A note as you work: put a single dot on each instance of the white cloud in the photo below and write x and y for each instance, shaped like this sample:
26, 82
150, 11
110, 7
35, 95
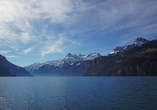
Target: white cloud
58, 44
26, 51
33, 22
53, 46
55, 10
113, 16
17, 18
11, 56
4, 51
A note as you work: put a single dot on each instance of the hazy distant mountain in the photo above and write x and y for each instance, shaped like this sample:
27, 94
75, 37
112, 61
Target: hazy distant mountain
63, 67
140, 60
138, 42
36, 66
13, 69
77, 68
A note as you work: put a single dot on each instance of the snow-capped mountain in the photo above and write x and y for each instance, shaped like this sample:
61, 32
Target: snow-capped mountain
79, 57
138, 42
58, 67
71, 58
38, 65
91, 56
53, 62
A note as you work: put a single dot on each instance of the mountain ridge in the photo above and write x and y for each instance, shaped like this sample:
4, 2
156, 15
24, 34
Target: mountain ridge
138, 42
137, 61
70, 57
70, 62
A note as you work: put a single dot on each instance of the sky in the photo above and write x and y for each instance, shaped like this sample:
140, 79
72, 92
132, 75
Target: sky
33, 31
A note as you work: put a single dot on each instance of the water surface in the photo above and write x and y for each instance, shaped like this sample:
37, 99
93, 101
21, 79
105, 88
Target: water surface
78, 93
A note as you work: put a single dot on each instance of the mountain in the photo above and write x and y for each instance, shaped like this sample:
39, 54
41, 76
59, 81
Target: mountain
137, 61
4, 71
77, 68
38, 65
71, 58
63, 67
138, 42
13, 69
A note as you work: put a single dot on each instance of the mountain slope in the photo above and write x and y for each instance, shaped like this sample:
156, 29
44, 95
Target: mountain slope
45, 70
4, 71
77, 68
13, 69
38, 65
143, 63
137, 61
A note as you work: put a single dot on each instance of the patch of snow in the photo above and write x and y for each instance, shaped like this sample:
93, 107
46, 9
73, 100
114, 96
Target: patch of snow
137, 42
78, 64
72, 64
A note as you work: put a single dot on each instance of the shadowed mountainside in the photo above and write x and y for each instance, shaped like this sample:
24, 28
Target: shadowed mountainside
13, 69
4, 71
138, 61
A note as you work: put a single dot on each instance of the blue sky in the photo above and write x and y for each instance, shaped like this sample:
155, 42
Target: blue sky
41, 30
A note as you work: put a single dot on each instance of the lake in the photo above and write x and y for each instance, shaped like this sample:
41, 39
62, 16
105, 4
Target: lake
78, 93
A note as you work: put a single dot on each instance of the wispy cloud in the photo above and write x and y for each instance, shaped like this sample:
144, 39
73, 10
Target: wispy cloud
4, 51
113, 16
11, 56
27, 23
54, 46
26, 51
17, 19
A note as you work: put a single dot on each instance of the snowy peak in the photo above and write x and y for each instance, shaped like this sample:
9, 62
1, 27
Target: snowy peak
71, 58
138, 42
79, 57
91, 56
53, 62
68, 60
37, 65
118, 49
32, 66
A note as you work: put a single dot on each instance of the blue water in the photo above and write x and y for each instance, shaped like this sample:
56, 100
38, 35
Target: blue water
78, 93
